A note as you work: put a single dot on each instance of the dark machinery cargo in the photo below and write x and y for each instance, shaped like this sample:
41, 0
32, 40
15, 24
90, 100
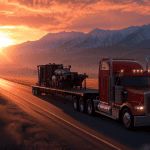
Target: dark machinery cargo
56, 75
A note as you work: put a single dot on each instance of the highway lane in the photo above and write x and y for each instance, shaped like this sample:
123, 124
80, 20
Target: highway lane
90, 132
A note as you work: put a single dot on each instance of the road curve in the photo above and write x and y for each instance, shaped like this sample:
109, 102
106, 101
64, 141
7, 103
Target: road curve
89, 132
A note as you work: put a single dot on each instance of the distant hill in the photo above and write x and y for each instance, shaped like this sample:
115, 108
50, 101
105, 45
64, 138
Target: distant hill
130, 30
138, 38
74, 40
82, 51
144, 44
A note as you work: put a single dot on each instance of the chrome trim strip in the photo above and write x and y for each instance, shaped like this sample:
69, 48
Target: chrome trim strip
104, 102
118, 105
106, 114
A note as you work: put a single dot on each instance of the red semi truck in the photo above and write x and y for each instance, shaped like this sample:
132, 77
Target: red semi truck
124, 90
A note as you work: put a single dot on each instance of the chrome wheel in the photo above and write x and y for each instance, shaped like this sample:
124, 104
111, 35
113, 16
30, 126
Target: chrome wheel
90, 107
75, 103
127, 118
82, 105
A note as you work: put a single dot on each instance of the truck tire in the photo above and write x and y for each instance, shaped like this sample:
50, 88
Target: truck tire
127, 119
90, 107
33, 91
75, 103
37, 92
82, 105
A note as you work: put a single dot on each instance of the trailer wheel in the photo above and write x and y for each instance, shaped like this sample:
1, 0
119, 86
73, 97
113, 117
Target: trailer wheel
75, 103
33, 91
82, 105
127, 119
90, 107
36, 91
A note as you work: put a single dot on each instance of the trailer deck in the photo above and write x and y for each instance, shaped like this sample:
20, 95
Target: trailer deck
77, 91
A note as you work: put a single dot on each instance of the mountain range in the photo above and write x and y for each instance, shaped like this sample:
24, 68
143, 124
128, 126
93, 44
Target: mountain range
81, 50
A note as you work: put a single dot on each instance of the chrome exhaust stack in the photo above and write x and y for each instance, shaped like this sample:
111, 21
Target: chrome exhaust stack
147, 63
111, 81
111, 65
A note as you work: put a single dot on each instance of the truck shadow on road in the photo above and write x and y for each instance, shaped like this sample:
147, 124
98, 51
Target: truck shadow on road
102, 124
58, 101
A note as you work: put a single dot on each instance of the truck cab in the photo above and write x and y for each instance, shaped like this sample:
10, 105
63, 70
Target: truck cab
113, 74
124, 91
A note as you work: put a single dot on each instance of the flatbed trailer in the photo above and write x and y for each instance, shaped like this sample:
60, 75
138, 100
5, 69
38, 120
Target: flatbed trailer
76, 93
123, 94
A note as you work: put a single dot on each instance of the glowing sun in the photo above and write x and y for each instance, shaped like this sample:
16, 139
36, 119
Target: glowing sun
5, 42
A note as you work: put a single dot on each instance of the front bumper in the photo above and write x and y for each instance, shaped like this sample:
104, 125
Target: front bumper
141, 121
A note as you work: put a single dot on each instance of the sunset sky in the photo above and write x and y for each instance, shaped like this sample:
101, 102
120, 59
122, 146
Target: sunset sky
23, 20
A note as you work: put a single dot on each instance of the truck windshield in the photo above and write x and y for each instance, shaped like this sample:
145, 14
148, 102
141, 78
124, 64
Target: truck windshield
136, 81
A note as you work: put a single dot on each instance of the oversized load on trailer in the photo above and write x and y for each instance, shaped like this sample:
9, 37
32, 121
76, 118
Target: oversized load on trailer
124, 89
56, 75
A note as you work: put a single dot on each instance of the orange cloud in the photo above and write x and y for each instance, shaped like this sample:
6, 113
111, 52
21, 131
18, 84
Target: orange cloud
66, 11
80, 15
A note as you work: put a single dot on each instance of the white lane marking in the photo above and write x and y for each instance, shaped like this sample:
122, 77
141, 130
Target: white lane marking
70, 123
80, 128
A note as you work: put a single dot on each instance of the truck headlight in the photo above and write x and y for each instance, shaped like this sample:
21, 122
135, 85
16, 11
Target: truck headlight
139, 107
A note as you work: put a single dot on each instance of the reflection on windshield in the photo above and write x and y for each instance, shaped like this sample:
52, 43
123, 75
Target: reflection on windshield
136, 81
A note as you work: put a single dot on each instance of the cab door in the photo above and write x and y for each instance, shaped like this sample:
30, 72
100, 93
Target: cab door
103, 85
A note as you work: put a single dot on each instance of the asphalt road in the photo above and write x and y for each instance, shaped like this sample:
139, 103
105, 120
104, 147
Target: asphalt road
74, 128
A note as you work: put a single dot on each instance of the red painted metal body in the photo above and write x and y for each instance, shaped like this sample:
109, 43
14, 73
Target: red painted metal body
135, 94
122, 83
